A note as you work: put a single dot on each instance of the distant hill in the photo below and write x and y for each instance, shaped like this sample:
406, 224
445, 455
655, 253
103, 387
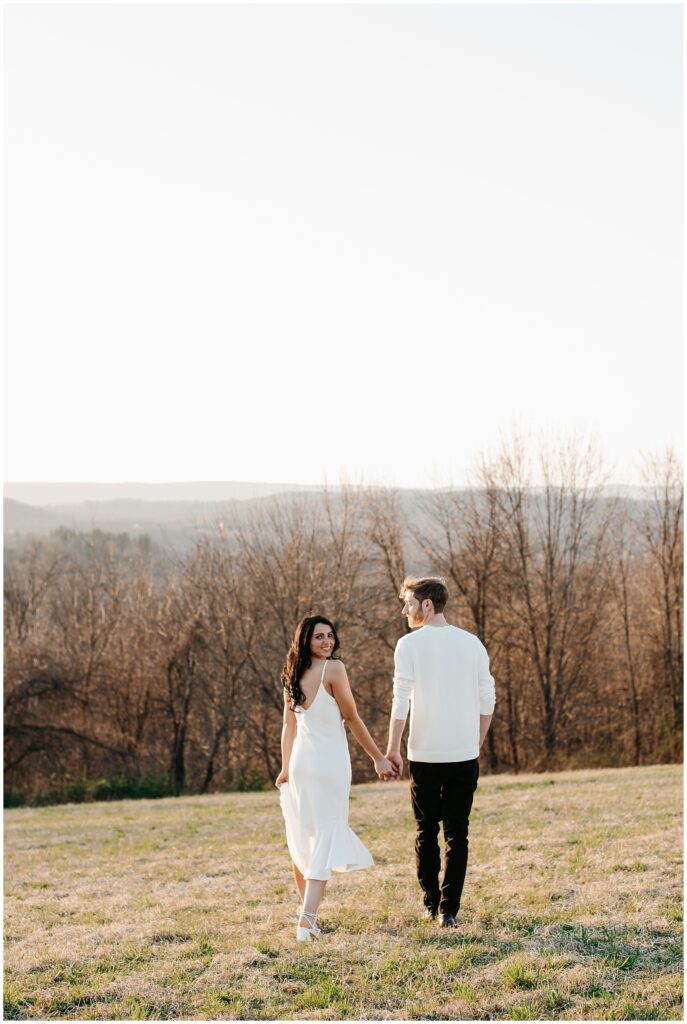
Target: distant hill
70, 494
49, 494
20, 518
176, 523
172, 525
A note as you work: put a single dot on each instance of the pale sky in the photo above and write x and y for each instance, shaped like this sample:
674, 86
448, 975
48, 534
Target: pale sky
296, 242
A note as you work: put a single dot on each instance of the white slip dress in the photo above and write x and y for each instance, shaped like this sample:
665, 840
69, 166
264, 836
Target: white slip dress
314, 801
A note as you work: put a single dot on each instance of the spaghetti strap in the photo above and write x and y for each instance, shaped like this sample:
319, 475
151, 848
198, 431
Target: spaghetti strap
317, 691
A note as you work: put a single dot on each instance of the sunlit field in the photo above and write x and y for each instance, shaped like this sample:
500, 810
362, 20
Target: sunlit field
185, 908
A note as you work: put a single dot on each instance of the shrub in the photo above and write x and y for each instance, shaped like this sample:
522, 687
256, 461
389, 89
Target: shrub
147, 787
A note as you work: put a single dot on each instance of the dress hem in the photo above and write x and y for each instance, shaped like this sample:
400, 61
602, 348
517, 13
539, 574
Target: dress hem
335, 843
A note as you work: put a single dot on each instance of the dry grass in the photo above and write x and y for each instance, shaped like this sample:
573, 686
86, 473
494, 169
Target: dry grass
184, 908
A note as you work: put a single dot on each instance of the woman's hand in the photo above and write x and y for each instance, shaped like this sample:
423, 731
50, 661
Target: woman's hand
385, 769
282, 777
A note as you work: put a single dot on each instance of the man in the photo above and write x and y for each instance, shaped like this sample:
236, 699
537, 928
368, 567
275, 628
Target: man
443, 673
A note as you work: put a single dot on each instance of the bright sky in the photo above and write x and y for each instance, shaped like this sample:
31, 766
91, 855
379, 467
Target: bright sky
284, 243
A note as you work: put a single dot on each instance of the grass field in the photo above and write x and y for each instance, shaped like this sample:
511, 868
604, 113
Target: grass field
185, 908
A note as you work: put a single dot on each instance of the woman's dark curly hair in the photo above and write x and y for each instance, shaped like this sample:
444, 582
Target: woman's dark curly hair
299, 657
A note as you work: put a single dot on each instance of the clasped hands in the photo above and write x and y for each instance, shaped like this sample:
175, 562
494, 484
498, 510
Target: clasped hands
389, 767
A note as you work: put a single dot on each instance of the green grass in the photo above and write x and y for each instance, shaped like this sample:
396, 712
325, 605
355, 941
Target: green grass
183, 907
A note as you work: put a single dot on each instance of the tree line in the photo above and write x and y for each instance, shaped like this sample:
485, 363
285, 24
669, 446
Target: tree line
128, 670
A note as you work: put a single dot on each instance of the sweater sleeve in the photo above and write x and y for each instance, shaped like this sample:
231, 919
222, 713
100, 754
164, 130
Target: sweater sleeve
403, 681
487, 690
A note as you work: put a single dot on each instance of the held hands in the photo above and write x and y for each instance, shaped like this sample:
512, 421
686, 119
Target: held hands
387, 769
397, 762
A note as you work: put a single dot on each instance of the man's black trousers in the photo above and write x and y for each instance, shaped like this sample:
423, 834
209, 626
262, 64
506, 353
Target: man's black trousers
442, 792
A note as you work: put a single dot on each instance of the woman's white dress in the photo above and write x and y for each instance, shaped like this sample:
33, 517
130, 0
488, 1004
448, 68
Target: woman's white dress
314, 801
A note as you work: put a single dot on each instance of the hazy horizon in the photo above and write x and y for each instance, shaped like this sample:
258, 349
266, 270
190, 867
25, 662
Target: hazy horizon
52, 494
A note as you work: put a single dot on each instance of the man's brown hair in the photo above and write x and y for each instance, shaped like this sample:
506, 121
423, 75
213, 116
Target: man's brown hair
424, 587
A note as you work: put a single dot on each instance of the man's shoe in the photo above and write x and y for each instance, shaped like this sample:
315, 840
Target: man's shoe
449, 921
430, 914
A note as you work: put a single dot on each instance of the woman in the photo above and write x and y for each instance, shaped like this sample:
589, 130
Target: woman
315, 779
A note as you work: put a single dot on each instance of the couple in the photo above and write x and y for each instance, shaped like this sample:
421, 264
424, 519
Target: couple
442, 673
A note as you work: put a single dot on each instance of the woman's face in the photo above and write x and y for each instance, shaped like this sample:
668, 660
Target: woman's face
322, 640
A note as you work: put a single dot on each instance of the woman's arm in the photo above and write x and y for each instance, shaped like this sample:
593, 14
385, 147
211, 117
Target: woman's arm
341, 689
288, 735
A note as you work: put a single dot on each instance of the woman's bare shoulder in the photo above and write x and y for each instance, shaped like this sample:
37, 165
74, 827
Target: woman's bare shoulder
336, 669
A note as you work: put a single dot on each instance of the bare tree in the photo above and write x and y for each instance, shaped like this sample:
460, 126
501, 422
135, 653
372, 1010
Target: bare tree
556, 535
231, 631
622, 581
662, 526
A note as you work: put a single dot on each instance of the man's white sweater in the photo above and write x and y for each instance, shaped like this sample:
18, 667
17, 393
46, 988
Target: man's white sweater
442, 672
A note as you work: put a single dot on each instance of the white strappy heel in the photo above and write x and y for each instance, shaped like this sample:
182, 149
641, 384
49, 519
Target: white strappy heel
312, 931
